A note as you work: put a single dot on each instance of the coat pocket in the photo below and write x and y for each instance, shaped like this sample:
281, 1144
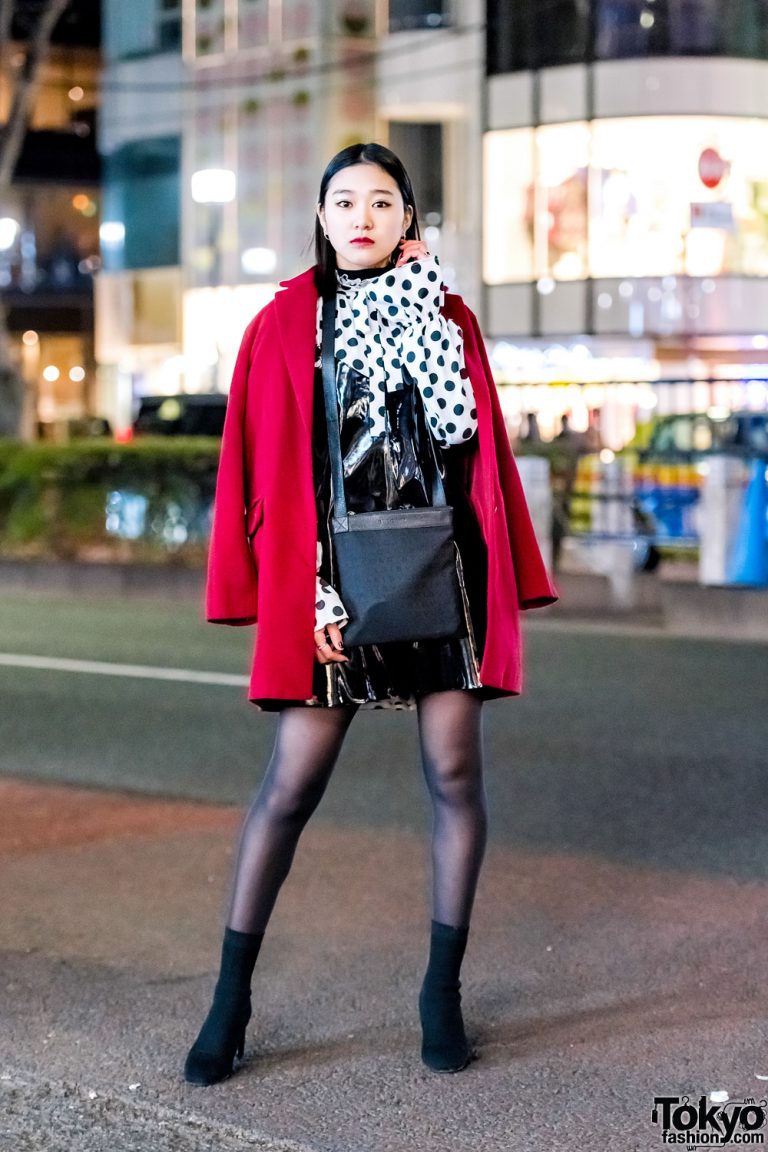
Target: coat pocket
254, 517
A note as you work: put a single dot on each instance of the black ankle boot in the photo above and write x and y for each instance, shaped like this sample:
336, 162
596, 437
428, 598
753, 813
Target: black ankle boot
222, 1036
444, 1046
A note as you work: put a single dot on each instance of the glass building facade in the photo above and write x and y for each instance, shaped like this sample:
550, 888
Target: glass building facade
627, 197
530, 34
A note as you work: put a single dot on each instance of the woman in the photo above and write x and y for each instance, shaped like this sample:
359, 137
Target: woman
414, 387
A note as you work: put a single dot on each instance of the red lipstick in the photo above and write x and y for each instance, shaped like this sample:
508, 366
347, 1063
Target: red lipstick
362, 240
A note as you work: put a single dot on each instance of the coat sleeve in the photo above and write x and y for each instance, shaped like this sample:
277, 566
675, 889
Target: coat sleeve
232, 584
535, 589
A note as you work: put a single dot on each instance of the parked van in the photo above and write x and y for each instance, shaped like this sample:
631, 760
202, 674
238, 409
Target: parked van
186, 414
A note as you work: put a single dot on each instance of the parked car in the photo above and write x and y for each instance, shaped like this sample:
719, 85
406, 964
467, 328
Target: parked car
691, 436
186, 414
669, 470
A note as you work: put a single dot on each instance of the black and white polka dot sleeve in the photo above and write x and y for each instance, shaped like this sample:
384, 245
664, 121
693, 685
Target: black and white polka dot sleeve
328, 606
449, 403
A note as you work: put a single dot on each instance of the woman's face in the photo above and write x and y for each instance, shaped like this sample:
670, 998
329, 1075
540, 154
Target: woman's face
363, 216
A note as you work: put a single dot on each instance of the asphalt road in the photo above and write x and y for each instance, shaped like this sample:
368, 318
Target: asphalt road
631, 746
618, 949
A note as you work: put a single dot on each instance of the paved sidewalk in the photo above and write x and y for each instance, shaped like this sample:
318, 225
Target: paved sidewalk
670, 599
590, 986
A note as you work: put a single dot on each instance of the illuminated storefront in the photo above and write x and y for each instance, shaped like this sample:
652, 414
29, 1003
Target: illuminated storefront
627, 198
625, 209
650, 235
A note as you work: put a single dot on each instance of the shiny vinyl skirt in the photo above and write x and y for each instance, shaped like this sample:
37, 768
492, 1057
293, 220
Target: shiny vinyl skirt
396, 675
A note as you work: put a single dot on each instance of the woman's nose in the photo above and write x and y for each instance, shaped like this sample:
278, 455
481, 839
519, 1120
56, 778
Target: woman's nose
363, 217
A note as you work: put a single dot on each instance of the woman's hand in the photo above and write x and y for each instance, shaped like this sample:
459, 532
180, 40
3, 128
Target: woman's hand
329, 646
411, 250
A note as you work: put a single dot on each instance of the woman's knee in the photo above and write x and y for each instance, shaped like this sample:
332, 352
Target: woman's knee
289, 797
288, 801
307, 746
454, 777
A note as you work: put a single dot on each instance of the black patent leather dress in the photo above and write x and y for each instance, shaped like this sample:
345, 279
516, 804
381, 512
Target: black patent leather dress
391, 472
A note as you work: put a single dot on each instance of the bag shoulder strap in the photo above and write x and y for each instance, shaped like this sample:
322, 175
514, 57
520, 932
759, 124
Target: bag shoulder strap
327, 360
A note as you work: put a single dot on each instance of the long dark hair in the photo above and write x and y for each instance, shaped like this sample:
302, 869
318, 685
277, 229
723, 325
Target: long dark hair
325, 256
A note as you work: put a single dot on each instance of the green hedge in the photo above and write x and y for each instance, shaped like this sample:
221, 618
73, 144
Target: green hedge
149, 500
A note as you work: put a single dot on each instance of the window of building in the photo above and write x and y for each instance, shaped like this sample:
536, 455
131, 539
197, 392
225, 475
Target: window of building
210, 27
508, 195
169, 25
225, 27
51, 234
142, 173
536, 34
253, 23
141, 28
639, 197
405, 15
625, 28
420, 147
539, 33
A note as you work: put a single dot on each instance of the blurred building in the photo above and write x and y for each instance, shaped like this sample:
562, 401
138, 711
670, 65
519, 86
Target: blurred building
49, 231
591, 172
626, 206
138, 292
218, 118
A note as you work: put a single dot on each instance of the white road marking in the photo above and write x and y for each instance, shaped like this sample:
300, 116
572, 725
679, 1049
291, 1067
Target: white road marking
135, 671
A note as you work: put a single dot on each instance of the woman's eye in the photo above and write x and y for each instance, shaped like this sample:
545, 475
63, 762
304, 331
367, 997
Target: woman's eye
382, 204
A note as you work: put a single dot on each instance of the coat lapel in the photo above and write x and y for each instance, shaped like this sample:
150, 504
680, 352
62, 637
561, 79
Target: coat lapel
296, 310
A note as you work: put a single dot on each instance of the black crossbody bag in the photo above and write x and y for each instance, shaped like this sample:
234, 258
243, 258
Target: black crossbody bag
396, 571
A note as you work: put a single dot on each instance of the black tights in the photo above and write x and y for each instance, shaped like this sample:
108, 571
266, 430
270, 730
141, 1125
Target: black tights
306, 749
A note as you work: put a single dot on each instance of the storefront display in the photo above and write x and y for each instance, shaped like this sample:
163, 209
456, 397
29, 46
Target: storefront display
624, 198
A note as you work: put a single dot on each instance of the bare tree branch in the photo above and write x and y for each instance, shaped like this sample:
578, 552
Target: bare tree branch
6, 19
26, 86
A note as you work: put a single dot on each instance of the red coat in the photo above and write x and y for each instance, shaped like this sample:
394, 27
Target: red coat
262, 556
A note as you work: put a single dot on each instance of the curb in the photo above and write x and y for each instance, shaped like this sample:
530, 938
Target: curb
679, 607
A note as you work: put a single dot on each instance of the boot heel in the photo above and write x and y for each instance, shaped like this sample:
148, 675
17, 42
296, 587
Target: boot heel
222, 1040
444, 1044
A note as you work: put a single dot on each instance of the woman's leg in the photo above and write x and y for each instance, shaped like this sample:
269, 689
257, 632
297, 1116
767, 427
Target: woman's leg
451, 748
452, 759
306, 748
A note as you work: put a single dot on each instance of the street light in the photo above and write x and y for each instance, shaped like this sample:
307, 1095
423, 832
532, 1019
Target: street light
112, 233
9, 230
214, 187
258, 261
